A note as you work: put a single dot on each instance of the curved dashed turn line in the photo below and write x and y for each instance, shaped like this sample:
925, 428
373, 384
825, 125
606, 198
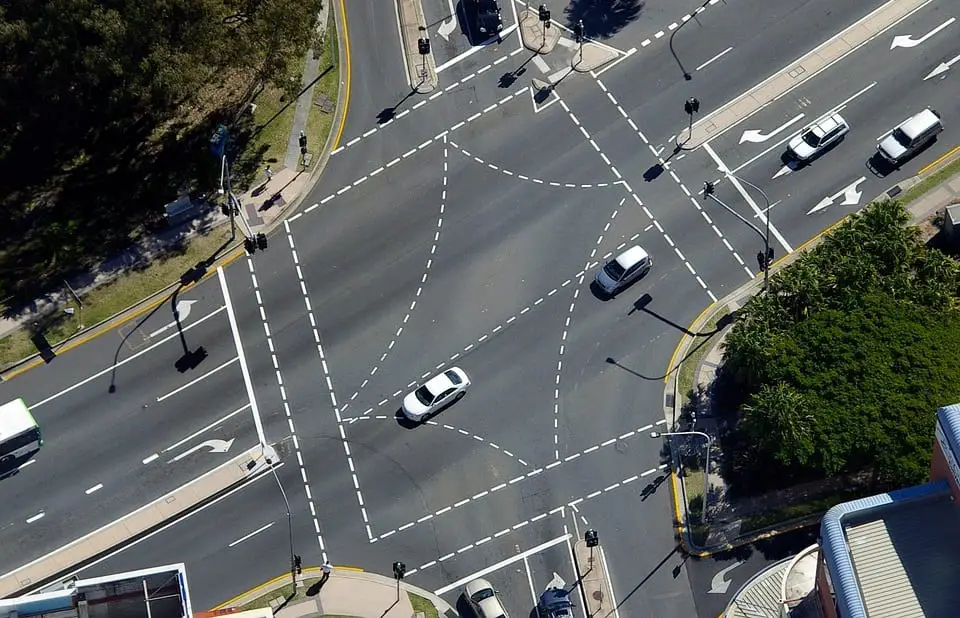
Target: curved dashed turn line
380, 417
513, 174
530, 474
423, 278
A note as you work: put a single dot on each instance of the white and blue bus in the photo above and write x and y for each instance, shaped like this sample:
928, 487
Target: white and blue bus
19, 432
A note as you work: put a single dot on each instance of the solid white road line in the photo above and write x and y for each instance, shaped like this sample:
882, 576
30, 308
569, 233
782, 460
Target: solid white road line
501, 564
739, 187
573, 566
194, 381
475, 49
533, 590
252, 534
243, 360
606, 571
36, 517
197, 433
717, 57
124, 361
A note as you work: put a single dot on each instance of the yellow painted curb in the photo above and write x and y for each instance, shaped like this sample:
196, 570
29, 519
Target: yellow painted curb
346, 96
940, 160
683, 340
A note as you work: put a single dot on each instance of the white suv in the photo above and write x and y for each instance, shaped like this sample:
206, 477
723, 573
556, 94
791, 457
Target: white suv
819, 136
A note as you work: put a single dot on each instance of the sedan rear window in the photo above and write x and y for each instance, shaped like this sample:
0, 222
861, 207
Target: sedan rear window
453, 376
614, 270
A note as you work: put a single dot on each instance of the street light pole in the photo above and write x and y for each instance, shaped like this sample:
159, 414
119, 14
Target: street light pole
766, 259
293, 559
706, 467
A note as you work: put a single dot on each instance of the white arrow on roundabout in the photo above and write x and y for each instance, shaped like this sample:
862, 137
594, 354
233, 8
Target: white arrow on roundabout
719, 584
756, 136
850, 195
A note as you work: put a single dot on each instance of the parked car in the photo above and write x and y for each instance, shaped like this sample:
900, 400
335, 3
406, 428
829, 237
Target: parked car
488, 19
484, 599
555, 603
910, 136
624, 269
819, 136
436, 394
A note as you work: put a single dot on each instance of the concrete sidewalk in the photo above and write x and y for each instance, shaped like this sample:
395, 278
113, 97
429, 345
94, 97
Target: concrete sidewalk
725, 517
348, 592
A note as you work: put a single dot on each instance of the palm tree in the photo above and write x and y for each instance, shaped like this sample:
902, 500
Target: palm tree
778, 421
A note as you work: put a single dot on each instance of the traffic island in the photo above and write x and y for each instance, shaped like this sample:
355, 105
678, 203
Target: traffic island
593, 577
591, 56
538, 35
418, 56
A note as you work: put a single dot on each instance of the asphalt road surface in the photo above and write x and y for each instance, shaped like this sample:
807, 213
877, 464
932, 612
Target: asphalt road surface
464, 228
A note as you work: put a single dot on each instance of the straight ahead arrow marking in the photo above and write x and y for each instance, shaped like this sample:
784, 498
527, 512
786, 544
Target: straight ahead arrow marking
943, 67
850, 196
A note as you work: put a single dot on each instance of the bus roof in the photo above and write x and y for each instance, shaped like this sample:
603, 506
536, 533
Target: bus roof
15, 418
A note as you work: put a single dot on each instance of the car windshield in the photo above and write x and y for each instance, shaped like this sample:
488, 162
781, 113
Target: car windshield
453, 376
614, 270
811, 138
424, 395
901, 137
482, 595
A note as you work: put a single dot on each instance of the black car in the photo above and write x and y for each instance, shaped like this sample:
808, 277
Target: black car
488, 17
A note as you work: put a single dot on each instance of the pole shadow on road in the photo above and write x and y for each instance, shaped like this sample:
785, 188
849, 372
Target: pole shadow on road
389, 113
676, 573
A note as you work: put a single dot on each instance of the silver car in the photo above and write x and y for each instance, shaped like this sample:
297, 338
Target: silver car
624, 269
819, 136
484, 599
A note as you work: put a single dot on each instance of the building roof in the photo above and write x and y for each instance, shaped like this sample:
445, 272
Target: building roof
897, 554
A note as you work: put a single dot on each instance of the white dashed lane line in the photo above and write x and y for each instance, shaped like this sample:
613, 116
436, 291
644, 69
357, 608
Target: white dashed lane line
673, 26
423, 278
536, 518
500, 328
690, 195
418, 105
333, 397
514, 174
439, 136
286, 403
637, 199
519, 478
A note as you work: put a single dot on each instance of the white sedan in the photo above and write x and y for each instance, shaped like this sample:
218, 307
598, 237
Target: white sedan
484, 599
437, 393
819, 136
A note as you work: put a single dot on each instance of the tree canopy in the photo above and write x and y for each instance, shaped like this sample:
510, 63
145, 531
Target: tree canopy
107, 107
843, 363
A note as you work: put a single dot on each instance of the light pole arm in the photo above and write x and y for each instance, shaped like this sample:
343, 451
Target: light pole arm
737, 215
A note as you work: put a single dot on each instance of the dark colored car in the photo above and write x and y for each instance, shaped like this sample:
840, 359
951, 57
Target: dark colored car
555, 603
488, 17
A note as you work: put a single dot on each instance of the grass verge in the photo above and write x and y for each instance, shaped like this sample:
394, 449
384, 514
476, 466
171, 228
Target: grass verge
930, 182
421, 604
701, 345
113, 297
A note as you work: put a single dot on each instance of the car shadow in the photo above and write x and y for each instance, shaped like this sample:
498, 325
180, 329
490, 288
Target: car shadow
599, 293
405, 422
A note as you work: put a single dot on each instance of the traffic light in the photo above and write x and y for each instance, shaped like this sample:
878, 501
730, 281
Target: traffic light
423, 46
591, 537
769, 256
399, 570
261, 241
544, 14
578, 31
250, 246
691, 106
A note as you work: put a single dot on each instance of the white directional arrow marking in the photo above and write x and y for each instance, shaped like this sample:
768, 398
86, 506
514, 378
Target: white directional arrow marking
447, 27
850, 195
905, 40
756, 136
182, 311
556, 582
719, 585
943, 67
215, 446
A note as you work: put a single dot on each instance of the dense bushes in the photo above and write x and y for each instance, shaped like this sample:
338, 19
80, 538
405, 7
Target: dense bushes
841, 366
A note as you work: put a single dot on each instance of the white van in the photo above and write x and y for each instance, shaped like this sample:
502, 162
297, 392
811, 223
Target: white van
910, 136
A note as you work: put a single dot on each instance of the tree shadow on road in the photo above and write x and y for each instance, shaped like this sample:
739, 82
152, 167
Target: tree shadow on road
603, 18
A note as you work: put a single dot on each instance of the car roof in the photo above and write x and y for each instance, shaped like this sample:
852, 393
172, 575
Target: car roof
917, 124
631, 256
438, 383
827, 124
477, 585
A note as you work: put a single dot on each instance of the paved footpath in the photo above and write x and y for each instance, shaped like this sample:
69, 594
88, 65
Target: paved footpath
725, 518
348, 592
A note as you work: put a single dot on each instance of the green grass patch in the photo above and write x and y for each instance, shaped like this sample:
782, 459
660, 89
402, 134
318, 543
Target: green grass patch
421, 604
320, 123
929, 183
107, 300
784, 514
696, 352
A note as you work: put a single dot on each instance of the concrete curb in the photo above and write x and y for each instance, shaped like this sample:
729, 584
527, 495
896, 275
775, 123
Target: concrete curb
421, 70
356, 573
166, 508
534, 36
